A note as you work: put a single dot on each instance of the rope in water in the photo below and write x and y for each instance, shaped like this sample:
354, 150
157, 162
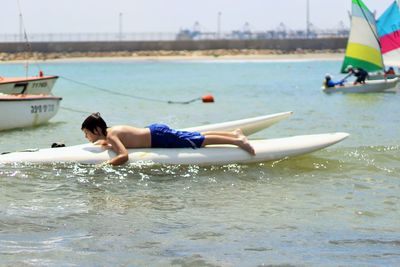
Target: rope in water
130, 95
205, 99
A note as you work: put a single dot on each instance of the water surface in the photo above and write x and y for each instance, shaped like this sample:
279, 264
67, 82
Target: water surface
337, 206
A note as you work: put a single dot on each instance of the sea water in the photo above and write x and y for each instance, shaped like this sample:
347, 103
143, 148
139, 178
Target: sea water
336, 207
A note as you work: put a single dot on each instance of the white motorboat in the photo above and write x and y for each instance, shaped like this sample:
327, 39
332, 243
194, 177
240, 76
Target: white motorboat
22, 110
32, 85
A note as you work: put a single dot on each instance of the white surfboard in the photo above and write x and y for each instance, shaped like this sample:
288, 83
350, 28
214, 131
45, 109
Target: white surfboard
248, 126
268, 149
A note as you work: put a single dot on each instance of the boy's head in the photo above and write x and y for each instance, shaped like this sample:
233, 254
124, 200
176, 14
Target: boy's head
328, 77
94, 126
349, 68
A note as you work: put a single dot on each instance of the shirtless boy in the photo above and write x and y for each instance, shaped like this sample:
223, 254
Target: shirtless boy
121, 137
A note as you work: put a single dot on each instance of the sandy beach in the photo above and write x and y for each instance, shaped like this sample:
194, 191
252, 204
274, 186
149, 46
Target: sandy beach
221, 54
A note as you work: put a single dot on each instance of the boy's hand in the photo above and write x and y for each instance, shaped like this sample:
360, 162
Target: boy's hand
103, 144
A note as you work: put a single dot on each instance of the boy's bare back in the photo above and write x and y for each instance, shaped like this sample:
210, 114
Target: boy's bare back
130, 137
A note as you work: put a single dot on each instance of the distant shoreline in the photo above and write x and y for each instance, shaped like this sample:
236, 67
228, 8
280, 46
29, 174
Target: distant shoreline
222, 54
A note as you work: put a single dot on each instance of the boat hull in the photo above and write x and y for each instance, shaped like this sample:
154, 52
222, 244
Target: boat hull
266, 150
20, 111
382, 76
370, 86
27, 85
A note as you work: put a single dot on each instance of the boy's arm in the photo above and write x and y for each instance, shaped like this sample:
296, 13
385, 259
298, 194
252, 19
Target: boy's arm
119, 148
339, 82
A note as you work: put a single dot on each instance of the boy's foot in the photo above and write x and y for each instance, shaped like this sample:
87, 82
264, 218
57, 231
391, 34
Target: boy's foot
238, 133
244, 144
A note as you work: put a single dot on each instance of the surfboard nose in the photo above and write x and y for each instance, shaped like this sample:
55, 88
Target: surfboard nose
341, 135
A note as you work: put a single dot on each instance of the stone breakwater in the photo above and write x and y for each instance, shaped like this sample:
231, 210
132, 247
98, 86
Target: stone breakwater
164, 54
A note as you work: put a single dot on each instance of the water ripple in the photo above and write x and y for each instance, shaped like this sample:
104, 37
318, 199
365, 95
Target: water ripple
395, 243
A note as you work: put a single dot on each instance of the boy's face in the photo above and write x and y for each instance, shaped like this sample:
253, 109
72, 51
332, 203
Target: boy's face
92, 137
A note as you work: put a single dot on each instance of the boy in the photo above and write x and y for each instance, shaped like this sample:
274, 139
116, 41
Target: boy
329, 83
360, 73
121, 137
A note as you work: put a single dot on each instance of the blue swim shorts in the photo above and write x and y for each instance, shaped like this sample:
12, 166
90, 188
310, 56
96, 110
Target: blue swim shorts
164, 137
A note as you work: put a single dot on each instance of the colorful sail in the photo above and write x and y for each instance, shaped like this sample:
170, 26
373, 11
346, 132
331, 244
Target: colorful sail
363, 49
388, 26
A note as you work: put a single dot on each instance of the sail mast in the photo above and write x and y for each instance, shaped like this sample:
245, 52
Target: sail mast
308, 19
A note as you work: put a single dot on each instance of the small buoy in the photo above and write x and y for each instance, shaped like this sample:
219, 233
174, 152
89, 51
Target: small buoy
40, 73
207, 99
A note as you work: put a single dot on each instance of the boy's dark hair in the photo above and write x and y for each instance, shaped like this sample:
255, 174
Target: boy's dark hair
94, 121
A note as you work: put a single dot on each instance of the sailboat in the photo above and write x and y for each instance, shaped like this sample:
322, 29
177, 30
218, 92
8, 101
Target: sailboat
388, 26
363, 51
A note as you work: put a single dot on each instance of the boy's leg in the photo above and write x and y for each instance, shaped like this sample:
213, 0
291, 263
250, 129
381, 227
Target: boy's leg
241, 142
234, 134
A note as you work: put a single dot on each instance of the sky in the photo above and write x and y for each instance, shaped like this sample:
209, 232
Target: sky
104, 16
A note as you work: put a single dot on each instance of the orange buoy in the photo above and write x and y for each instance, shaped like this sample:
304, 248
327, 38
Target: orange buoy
207, 99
